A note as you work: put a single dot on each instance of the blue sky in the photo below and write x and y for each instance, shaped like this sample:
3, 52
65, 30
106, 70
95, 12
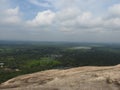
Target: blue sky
29, 9
60, 20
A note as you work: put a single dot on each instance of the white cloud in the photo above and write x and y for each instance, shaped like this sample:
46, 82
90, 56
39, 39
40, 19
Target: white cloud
77, 17
67, 13
42, 19
12, 11
72, 20
11, 15
112, 23
38, 3
115, 9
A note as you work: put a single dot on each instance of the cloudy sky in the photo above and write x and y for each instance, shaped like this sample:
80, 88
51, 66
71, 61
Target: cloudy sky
60, 20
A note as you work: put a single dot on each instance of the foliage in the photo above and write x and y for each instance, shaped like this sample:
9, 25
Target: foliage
42, 64
29, 58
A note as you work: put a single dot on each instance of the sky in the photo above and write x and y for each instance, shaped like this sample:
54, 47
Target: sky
60, 20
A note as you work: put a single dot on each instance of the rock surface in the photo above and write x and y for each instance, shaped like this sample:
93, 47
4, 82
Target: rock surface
81, 78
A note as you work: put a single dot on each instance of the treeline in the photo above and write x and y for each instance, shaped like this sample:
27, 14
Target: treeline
92, 57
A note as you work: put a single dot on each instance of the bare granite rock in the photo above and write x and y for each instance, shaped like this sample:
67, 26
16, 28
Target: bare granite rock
81, 78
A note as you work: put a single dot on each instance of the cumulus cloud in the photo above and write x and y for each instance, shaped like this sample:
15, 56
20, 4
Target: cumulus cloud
42, 19
11, 16
39, 3
70, 20
68, 13
115, 9
14, 11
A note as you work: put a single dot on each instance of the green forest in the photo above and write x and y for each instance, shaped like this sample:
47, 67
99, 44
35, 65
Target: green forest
23, 58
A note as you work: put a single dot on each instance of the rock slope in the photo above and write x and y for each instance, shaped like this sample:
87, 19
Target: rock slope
81, 78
